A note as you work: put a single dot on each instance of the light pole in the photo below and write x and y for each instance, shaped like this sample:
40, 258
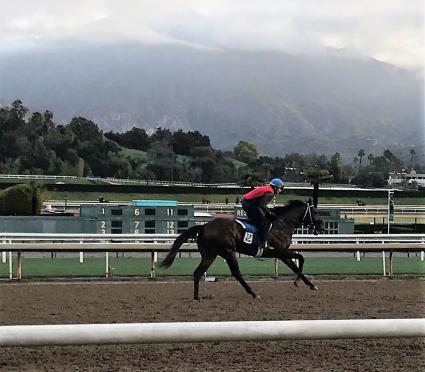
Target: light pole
390, 209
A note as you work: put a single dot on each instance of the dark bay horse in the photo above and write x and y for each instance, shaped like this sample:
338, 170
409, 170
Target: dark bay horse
224, 237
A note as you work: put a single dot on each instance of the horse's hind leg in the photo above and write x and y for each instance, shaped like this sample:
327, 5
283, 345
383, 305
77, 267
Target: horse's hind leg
203, 266
232, 262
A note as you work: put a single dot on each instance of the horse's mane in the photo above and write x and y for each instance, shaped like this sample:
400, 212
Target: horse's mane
292, 204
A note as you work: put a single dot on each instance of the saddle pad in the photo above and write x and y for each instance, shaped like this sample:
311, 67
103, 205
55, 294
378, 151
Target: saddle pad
249, 245
247, 225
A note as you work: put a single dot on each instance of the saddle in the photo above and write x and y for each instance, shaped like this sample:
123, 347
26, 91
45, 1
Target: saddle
249, 244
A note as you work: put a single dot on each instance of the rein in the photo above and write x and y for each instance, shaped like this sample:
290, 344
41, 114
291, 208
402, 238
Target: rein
308, 212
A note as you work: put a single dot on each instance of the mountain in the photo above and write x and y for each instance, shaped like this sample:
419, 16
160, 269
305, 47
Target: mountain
282, 103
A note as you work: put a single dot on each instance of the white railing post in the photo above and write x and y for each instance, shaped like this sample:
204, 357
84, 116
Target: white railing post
383, 263
357, 252
107, 273
3, 253
10, 266
81, 253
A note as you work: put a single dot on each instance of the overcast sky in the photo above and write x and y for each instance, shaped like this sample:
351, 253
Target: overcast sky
388, 30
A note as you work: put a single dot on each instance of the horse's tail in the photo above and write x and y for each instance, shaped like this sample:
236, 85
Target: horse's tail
190, 233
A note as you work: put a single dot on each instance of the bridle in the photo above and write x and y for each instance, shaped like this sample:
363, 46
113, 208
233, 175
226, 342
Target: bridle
311, 224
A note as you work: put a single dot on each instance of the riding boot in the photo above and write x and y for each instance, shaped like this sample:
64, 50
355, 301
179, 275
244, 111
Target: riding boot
262, 236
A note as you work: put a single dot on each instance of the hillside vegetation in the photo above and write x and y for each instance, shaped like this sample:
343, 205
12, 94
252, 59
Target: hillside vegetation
32, 143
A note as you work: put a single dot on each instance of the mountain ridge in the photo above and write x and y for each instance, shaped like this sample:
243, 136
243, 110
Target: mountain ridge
282, 103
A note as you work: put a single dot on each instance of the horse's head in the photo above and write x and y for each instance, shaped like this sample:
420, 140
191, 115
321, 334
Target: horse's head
300, 213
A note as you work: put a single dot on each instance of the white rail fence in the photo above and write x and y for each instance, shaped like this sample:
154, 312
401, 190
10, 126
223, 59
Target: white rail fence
154, 243
154, 333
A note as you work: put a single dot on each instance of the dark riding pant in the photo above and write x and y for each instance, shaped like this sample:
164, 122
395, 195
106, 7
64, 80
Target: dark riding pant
258, 217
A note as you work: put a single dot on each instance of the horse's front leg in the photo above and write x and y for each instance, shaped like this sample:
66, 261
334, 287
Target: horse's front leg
286, 256
300, 264
288, 261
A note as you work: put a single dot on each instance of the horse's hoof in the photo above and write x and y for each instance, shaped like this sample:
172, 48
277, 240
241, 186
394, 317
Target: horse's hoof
256, 297
296, 283
314, 288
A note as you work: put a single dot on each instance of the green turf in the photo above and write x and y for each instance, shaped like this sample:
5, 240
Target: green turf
215, 198
123, 267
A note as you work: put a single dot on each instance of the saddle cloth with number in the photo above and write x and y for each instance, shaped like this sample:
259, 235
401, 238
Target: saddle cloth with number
249, 244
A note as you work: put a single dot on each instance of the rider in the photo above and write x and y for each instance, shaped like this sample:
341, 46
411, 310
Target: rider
254, 203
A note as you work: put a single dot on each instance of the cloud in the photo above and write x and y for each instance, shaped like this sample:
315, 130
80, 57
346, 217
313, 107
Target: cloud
389, 30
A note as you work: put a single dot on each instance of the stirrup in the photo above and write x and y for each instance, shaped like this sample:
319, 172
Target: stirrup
260, 251
262, 245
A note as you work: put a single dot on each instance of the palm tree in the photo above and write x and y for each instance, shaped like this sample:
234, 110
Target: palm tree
360, 154
316, 176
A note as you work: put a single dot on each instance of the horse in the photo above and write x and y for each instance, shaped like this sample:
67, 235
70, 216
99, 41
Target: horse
225, 236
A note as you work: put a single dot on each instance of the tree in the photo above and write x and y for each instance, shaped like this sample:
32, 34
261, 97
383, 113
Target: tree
204, 158
18, 110
136, 138
381, 164
360, 154
265, 166
295, 160
334, 167
412, 155
184, 142
368, 177
160, 159
394, 162
370, 158
162, 134
245, 151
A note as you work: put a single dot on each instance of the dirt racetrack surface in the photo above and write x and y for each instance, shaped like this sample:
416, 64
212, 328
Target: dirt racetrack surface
147, 301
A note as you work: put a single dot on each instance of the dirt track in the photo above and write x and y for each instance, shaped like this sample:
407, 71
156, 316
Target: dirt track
107, 302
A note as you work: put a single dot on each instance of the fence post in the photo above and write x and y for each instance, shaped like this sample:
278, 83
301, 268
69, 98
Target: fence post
107, 264
10, 266
383, 263
358, 255
19, 266
3, 253
81, 254
154, 258
276, 268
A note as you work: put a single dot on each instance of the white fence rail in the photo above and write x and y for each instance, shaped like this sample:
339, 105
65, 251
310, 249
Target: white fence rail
154, 333
229, 207
166, 238
154, 243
